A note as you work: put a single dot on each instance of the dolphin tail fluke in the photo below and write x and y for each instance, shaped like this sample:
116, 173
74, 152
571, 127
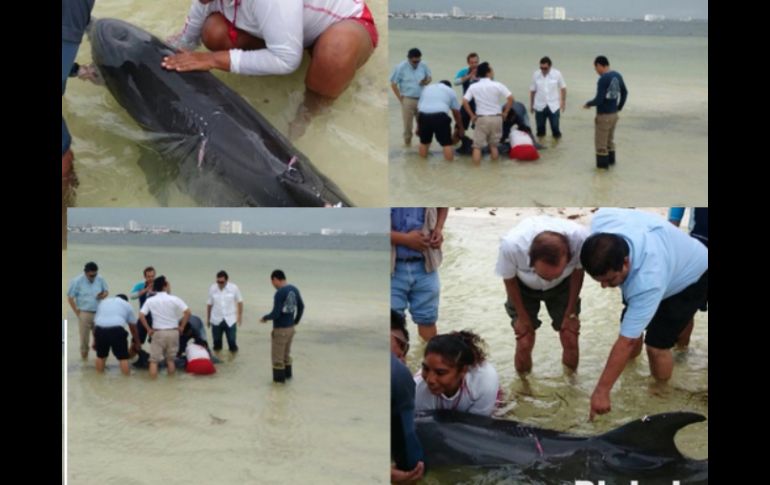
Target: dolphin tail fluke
652, 434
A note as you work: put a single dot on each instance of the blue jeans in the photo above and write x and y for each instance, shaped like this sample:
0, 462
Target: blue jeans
218, 329
412, 287
553, 118
68, 52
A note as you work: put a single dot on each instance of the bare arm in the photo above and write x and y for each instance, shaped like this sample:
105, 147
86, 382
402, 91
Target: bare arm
412, 239
240, 312
208, 315
394, 87
508, 104
184, 320
467, 107
532, 101
144, 323
619, 355
73, 305
563, 99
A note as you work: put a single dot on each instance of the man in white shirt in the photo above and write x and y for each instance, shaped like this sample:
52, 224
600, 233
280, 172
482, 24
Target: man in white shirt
547, 97
169, 317
225, 307
488, 117
539, 260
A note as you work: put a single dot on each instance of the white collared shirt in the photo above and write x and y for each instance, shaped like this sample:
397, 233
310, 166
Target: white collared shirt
489, 96
513, 258
166, 310
224, 303
547, 89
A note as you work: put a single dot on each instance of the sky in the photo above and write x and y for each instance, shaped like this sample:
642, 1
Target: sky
207, 219
575, 8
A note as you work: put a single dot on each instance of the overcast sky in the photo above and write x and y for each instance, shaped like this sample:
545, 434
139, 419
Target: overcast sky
207, 219
575, 8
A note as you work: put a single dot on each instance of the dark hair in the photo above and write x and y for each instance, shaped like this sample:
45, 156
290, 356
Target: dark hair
398, 322
446, 83
200, 342
158, 283
546, 60
278, 275
472, 54
602, 61
90, 266
223, 274
414, 52
462, 349
549, 247
603, 252
483, 69
147, 270
122, 296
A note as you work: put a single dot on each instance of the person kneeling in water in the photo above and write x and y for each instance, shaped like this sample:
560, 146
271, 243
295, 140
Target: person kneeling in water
456, 375
199, 357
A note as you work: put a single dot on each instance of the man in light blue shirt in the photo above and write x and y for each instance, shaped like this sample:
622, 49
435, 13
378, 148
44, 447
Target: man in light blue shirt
83, 295
436, 100
407, 80
663, 274
113, 317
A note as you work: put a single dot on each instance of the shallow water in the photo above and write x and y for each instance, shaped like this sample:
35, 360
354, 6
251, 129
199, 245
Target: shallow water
236, 426
347, 143
661, 137
472, 297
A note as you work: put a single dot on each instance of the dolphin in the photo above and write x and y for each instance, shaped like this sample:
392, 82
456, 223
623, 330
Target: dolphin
225, 152
642, 449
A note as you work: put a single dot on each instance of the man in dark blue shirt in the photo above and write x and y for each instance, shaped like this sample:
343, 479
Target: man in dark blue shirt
610, 97
287, 311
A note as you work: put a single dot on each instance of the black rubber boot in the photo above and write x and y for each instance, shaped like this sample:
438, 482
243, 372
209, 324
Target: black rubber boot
288, 371
279, 375
612, 158
602, 161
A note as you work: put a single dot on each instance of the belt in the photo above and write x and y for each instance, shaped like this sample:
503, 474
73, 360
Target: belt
482, 116
410, 260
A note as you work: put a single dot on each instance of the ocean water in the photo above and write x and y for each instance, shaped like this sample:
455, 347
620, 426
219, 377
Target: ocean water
237, 426
472, 297
661, 137
347, 143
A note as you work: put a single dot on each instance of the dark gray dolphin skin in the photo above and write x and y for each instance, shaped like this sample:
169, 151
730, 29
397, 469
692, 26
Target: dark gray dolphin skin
227, 153
642, 450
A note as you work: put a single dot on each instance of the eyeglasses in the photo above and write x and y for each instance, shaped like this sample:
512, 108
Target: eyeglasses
404, 344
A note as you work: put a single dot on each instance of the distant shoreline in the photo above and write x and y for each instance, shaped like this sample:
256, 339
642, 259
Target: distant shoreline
674, 28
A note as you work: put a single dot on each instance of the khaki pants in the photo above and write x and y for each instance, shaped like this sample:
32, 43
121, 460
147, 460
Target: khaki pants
605, 133
165, 345
488, 131
408, 113
86, 320
281, 347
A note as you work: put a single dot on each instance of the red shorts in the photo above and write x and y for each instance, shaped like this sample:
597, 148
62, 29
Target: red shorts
367, 21
526, 153
200, 366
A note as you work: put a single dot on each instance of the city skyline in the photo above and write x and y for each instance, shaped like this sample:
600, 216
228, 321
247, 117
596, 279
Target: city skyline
574, 8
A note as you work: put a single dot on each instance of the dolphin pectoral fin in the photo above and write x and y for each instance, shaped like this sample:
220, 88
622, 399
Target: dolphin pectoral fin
158, 172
